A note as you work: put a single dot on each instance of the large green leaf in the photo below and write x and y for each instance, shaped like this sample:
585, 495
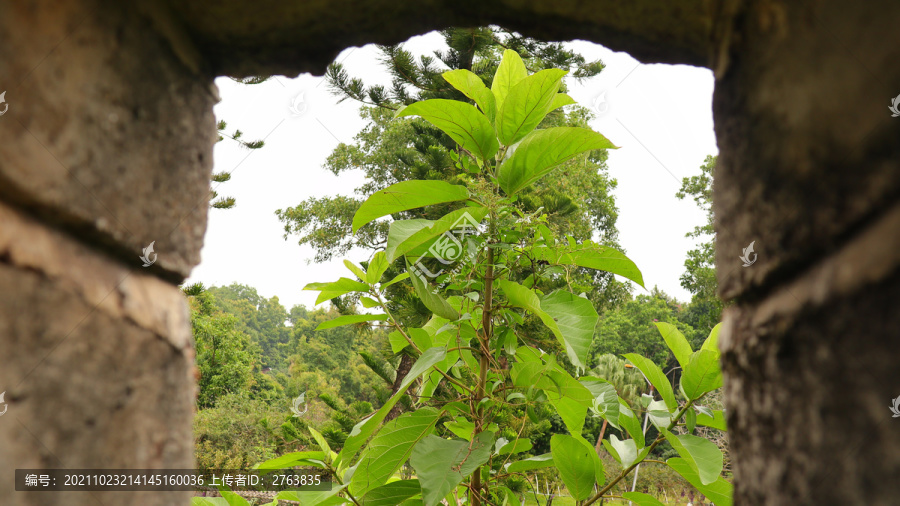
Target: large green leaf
577, 316
719, 492
509, 73
606, 399
377, 265
461, 121
343, 286
572, 413
701, 454
320, 440
552, 379
415, 236
702, 374
531, 463
642, 499
626, 449
629, 420
363, 430
576, 319
432, 300
592, 256
390, 448
576, 467
716, 421
442, 464
208, 501
712, 341
473, 87
656, 377
542, 151
676, 342
289, 460
401, 230
350, 320
517, 446
407, 195
526, 105
314, 497
560, 100
392, 493
660, 415
231, 498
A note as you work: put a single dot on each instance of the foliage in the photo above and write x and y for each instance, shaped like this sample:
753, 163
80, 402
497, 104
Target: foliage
577, 198
224, 355
480, 372
630, 328
264, 320
229, 436
215, 201
628, 382
699, 277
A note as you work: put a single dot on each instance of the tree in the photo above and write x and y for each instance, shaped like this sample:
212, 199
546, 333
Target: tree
630, 328
577, 199
699, 277
264, 320
237, 136
474, 368
224, 355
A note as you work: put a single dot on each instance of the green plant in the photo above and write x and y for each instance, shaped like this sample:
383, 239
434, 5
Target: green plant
478, 373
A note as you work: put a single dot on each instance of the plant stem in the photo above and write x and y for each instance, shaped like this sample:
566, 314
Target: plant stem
485, 338
341, 482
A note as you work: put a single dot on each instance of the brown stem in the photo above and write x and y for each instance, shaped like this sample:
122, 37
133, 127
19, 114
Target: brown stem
600, 438
406, 363
485, 338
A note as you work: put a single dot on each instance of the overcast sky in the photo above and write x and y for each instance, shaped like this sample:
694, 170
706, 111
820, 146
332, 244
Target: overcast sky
659, 115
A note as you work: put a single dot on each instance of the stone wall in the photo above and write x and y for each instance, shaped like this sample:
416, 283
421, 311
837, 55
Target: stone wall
106, 146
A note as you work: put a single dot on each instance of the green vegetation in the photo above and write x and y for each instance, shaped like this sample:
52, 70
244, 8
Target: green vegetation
485, 351
481, 382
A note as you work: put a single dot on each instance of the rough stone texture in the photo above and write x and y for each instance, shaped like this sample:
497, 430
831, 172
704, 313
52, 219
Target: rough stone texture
97, 365
810, 170
809, 382
277, 37
810, 152
110, 129
108, 142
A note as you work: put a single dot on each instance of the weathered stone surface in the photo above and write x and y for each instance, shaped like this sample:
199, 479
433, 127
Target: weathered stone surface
810, 170
277, 37
108, 142
97, 365
109, 130
809, 382
809, 151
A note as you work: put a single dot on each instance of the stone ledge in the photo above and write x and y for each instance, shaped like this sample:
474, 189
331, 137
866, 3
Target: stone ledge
141, 298
110, 131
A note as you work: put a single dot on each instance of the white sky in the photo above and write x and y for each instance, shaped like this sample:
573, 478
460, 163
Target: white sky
659, 115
